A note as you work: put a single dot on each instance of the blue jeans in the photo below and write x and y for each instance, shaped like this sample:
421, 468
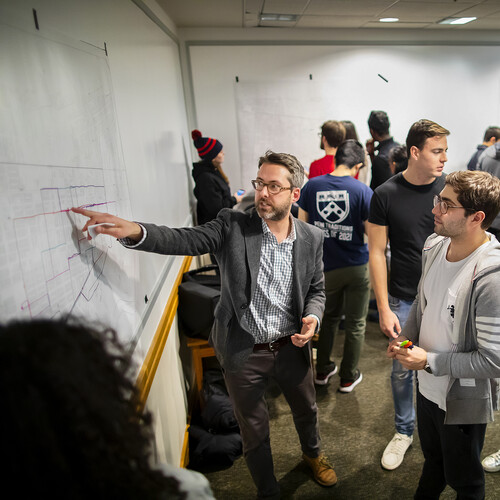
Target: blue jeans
402, 378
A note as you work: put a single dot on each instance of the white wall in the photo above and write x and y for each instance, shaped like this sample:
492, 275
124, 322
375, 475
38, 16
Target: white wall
457, 86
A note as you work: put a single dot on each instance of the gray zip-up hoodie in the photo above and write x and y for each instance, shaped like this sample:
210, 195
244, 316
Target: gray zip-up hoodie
474, 361
489, 161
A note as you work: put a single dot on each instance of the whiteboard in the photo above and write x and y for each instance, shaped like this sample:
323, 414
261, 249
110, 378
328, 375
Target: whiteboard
60, 147
265, 110
79, 127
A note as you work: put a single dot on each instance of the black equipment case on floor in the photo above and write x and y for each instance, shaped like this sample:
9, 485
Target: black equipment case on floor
198, 295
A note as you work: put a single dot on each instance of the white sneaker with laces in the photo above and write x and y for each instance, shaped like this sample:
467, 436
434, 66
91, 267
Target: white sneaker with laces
395, 451
492, 462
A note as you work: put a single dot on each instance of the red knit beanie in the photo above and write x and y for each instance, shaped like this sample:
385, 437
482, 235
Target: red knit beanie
207, 147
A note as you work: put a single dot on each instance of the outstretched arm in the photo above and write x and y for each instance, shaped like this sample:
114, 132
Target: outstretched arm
121, 228
164, 240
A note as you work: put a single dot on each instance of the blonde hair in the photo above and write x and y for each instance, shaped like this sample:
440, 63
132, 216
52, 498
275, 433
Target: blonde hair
221, 172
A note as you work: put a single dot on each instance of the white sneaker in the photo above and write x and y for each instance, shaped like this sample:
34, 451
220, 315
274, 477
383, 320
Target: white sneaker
492, 462
322, 378
348, 386
395, 451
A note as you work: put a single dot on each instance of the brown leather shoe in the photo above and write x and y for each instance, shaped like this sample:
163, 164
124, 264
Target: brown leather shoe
322, 470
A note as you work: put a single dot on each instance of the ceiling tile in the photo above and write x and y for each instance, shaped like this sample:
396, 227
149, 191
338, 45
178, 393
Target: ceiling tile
332, 21
200, 13
421, 11
284, 6
481, 10
456, 2
347, 7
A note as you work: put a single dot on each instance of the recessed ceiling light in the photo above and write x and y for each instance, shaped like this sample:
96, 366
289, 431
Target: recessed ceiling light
457, 20
389, 20
278, 17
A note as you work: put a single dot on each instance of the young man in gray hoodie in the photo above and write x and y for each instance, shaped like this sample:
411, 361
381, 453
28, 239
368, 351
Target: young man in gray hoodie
455, 320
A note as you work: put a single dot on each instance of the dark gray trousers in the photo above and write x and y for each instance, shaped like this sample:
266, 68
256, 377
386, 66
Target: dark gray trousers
247, 388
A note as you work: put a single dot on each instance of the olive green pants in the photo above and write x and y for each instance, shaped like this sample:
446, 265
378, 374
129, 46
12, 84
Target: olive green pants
347, 292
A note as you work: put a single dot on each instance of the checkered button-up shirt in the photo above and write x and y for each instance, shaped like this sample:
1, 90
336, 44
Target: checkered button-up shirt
270, 314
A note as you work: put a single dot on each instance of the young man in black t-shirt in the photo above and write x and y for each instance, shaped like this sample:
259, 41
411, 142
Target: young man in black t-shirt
401, 213
379, 124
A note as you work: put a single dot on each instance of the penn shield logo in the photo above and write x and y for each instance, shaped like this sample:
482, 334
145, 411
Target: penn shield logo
332, 206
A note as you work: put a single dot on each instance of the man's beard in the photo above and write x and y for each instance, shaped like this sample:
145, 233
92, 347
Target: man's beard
451, 230
276, 213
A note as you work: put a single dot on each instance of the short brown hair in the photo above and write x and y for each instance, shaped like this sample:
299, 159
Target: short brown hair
333, 132
288, 161
492, 132
420, 131
477, 191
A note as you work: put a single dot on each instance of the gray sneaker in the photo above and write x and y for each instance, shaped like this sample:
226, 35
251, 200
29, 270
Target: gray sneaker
492, 462
395, 451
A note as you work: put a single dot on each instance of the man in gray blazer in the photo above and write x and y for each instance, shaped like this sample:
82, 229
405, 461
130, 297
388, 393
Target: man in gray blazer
272, 299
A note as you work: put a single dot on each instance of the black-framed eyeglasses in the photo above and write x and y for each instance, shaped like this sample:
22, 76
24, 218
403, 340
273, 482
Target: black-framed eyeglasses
444, 206
272, 188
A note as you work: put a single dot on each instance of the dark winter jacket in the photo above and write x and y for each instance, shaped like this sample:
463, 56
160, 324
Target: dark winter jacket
211, 191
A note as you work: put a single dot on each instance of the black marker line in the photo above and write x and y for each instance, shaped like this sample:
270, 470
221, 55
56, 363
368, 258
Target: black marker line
92, 45
385, 79
35, 18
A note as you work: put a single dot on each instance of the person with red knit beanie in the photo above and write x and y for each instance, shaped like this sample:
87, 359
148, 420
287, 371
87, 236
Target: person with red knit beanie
211, 183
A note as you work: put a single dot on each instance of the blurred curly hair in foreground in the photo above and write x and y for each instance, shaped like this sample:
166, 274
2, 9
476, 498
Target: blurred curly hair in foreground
69, 424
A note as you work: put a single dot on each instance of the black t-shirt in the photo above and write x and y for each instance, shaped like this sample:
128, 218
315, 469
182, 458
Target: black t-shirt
381, 171
407, 210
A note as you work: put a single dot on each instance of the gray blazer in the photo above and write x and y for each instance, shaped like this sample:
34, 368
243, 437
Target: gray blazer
235, 239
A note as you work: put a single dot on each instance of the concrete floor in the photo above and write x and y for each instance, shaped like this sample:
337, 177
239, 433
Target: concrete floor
355, 429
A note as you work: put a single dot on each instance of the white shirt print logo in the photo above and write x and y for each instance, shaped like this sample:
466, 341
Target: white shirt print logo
332, 206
